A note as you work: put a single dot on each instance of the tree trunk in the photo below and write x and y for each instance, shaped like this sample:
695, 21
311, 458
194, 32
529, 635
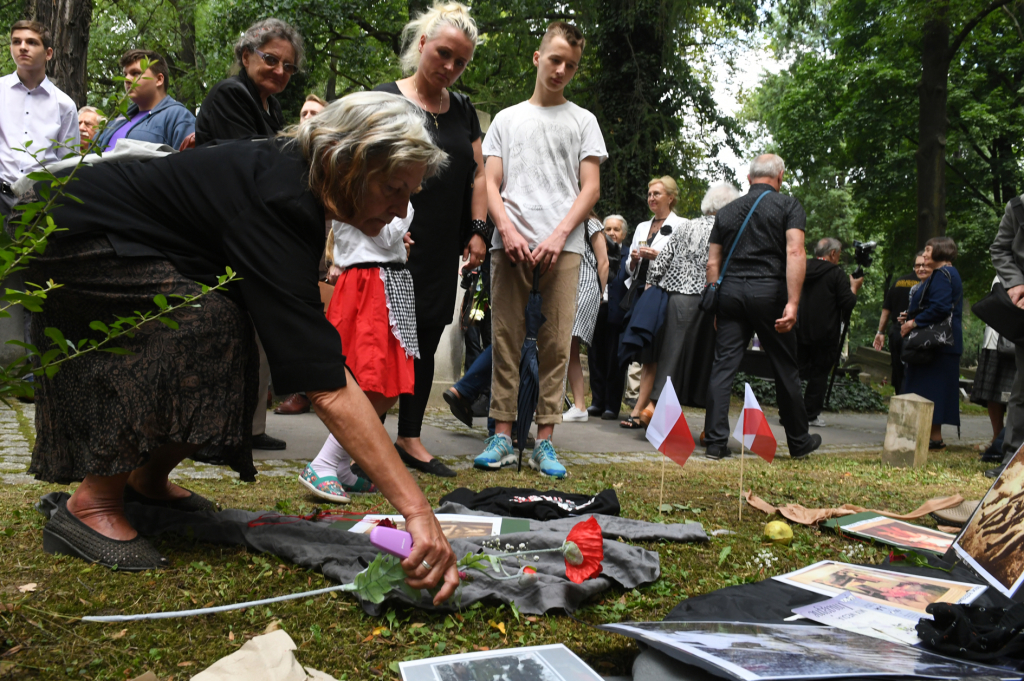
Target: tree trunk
331, 91
931, 149
187, 88
69, 22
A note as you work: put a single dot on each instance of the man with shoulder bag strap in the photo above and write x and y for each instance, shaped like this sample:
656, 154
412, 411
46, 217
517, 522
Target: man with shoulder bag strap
1008, 259
759, 293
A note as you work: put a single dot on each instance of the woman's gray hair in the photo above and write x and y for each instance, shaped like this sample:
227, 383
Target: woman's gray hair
265, 30
358, 137
766, 165
428, 23
718, 197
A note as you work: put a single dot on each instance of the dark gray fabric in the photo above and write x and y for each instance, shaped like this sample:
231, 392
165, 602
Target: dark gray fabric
339, 555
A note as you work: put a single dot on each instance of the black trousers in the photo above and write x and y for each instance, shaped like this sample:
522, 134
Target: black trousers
607, 376
746, 307
816, 362
412, 407
895, 350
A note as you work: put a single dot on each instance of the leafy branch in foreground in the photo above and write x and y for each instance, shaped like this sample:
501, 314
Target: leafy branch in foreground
27, 236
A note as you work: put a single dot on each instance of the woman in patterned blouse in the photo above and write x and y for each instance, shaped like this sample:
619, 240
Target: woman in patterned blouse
679, 270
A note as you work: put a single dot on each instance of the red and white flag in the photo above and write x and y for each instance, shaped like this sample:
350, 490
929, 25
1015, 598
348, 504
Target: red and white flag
668, 431
752, 428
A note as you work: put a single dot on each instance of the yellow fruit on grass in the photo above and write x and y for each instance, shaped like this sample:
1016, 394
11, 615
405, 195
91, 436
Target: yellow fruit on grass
778, 532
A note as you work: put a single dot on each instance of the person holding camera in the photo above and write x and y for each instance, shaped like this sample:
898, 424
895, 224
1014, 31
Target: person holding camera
897, 300
828, 298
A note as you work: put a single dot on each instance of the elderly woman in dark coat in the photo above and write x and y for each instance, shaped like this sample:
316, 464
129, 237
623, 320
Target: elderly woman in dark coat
939, 297
121, 423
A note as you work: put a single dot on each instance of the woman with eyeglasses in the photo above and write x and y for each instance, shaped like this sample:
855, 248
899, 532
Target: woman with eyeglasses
243, 106
267, 55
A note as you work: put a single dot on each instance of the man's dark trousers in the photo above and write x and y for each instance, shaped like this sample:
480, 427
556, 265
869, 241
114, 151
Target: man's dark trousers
746, 307
816, 362
896, 359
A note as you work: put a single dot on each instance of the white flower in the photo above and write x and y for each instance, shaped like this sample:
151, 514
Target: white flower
476, 314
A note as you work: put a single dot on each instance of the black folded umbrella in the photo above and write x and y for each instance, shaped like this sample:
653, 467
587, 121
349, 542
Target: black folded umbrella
1001, 314
529, 370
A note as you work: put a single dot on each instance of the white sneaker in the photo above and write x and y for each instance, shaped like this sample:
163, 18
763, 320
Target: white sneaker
575, 415
817, 423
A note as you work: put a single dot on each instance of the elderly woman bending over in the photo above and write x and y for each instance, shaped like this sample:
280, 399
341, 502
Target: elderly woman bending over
121, 423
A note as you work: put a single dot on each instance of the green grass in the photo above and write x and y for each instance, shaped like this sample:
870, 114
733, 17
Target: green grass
44, 639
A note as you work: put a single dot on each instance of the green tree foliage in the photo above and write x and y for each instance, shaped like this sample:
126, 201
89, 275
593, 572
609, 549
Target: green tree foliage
845, 117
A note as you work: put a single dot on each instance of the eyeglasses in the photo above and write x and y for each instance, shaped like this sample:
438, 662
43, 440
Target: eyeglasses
920, 267
272, 61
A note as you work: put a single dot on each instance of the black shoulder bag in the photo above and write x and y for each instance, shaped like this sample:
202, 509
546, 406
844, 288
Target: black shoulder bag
924, 343
709, 298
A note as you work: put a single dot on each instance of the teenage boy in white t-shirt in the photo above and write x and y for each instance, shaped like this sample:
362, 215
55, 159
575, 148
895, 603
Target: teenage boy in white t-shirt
541, 162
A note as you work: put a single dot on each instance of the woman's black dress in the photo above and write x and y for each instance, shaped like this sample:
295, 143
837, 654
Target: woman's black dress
441, 230
159, 227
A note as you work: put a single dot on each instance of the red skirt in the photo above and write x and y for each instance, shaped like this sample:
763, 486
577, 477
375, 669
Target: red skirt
359, 311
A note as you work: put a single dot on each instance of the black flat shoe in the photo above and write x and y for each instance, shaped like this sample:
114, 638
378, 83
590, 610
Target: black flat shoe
461, 409
66, 535
630, 423
432, 467
609, 415
264, 441
936, 444
594, 411
806, 452
189, 504
717, 452
995, 472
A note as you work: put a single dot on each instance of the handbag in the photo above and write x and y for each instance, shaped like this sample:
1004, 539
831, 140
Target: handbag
923, 343
998, 311
709, 296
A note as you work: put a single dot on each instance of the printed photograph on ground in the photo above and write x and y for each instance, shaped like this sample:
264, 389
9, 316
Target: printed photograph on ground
765, 652
910, 592
453, 526
993, 541
901, 534
537, 663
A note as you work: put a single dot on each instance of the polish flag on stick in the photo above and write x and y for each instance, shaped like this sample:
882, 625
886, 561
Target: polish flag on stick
753, 432
668, 431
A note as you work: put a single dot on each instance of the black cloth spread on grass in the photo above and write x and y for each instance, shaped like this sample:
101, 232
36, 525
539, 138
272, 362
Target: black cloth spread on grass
518, 502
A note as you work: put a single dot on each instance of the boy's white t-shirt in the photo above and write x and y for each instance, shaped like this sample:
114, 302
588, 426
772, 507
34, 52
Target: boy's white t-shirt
541, 148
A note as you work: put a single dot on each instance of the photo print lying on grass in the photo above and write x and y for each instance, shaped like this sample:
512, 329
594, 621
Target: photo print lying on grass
910, 592
993, 541
900, 534
536, 663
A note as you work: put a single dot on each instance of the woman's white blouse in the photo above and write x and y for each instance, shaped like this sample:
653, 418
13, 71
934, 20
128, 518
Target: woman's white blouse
659, 241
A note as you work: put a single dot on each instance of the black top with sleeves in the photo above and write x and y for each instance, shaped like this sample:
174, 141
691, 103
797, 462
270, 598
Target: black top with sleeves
441, 226
762, 250
232, 110
244, 204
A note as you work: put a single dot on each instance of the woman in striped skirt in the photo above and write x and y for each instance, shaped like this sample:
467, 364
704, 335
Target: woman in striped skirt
593, 278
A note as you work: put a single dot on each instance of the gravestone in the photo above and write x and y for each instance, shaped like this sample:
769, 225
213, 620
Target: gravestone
907, 431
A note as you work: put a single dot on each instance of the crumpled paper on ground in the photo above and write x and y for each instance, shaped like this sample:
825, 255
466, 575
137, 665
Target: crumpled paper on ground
269, 657
812, 516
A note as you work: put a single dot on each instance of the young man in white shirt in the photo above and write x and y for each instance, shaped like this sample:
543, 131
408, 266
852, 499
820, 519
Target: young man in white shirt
32, 109
542, 161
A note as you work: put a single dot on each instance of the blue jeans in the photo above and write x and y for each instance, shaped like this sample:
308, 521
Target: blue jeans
476, 381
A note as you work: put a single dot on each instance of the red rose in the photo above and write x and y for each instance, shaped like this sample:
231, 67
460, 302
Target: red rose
586, 536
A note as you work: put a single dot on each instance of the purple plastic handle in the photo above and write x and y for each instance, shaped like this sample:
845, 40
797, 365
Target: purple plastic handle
396, 542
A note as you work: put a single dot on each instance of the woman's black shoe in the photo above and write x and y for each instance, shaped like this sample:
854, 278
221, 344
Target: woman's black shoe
461, 409
66, 535
189, 504
936, 444
432, 467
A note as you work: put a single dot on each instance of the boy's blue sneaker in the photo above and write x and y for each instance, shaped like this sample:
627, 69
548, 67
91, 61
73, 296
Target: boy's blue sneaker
497, 454
545, 460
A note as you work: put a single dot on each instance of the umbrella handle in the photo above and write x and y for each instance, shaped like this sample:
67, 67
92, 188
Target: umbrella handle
536, 280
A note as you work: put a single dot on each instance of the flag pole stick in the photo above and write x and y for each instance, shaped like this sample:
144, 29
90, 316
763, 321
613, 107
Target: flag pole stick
661, 494
742, 450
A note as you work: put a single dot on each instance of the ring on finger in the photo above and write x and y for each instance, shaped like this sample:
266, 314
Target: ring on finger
426, 565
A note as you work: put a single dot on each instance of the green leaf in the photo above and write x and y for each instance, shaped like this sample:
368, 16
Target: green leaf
169, 323
161, 301
665, 508
724, 554
99, 326
57, 337
117, 351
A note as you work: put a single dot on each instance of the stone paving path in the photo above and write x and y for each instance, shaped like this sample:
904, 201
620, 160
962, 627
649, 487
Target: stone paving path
595, 442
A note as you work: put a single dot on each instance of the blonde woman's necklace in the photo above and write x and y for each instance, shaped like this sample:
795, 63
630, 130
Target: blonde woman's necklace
440, 103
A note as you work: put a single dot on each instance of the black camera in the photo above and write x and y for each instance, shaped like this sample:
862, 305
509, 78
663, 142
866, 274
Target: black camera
862, 254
